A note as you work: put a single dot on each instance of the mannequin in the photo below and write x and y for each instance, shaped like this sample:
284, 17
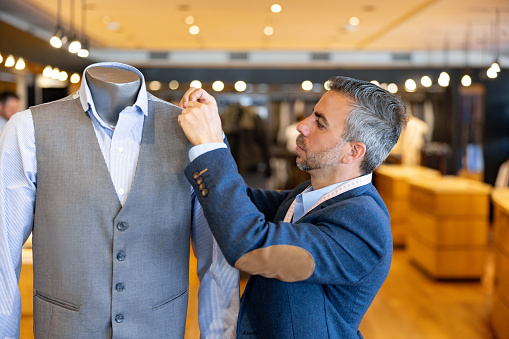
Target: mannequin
122, 269
113, 89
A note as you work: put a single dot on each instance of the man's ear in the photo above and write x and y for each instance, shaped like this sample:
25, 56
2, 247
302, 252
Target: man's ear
355, 153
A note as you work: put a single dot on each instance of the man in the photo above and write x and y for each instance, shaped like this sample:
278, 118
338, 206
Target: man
318, 254
9, 104
110, 248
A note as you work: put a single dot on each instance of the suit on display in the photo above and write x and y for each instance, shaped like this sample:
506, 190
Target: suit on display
113, 217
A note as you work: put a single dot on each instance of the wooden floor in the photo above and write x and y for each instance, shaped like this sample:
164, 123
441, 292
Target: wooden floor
409, 305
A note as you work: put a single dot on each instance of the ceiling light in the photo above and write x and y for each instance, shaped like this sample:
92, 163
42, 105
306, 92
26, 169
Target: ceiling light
113, 26
218, 86
47, 72
410, 85
74, 46
354, 21
174, 84
495, 66
55, 73
189, 20
327, 85
194, 30
154, 85
9, 62
195, 84
20, 64
317, 88
75, 78
491, 73
426, 81
375, 82
307, 85
240, 86
466, 80
392, 88
443, 79
268, 30
58, 39
275, 8
83, 53
62, 76
1, 58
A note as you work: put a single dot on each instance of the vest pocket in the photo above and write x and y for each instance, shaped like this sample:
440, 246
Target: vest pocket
168, 301
57, 302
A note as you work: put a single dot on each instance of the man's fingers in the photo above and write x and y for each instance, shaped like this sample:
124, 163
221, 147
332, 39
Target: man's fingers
195, 94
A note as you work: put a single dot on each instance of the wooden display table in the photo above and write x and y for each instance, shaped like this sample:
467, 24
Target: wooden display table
448, 227
392, 183
500, 309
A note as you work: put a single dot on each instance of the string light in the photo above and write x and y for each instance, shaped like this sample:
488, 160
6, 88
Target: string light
307, 85
20, 64
75, 78
47, 72
195, 84
9, 62
240, 86
218, 86
466, 80
174, 84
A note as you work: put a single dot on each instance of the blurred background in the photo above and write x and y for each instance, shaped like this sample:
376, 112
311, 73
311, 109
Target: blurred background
267, 63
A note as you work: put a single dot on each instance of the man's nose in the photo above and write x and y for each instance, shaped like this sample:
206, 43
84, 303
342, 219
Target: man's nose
303, 128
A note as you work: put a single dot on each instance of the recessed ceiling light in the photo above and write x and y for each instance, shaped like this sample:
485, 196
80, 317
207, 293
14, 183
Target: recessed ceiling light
354, 21
189, 20
268, 30
276, 8
194, 30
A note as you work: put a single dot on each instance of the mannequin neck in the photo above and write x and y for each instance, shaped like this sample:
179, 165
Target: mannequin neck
112, 90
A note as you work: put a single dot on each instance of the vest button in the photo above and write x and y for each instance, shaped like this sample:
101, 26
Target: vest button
119, 318
199, 180
204, 192
121, 256
122, 226
119, 287
196, 175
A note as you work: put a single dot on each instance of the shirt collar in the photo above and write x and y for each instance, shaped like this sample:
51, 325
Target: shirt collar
310, 197
86, 97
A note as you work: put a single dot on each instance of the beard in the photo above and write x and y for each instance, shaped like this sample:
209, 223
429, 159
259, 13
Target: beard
319, 159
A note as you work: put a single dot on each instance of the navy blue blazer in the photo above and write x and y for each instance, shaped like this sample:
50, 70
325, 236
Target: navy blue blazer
348, 238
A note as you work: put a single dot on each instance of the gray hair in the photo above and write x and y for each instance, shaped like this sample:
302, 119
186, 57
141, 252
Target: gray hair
376, 119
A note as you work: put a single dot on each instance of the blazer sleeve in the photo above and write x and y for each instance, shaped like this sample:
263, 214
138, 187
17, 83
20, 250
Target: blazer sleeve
337, 244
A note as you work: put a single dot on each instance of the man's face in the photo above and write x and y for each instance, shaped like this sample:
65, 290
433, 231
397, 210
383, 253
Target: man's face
10, 107
319, 145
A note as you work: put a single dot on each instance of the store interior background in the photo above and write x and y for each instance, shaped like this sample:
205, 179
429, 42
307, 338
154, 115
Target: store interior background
273, 54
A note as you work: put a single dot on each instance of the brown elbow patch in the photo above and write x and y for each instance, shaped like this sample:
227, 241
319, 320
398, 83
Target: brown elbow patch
284, 262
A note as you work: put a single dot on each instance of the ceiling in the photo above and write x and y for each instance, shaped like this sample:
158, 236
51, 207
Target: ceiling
425, 28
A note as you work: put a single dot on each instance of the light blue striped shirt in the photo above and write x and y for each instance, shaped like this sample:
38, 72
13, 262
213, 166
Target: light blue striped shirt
219, 282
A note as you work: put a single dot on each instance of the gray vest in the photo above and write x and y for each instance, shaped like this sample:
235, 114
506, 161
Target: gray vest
102, 270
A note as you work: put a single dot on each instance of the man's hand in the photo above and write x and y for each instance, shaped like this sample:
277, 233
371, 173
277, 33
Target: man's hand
200, 118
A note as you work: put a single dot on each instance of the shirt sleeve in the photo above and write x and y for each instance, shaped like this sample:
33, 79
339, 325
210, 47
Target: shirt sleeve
219, 291
18, 171
198, 150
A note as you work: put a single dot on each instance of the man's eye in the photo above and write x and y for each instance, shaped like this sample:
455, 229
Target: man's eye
320, 126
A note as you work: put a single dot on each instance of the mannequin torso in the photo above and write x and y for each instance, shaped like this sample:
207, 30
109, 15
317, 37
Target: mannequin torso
112, 89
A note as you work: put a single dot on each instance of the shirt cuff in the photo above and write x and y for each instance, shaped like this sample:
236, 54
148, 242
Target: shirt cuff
198, 150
